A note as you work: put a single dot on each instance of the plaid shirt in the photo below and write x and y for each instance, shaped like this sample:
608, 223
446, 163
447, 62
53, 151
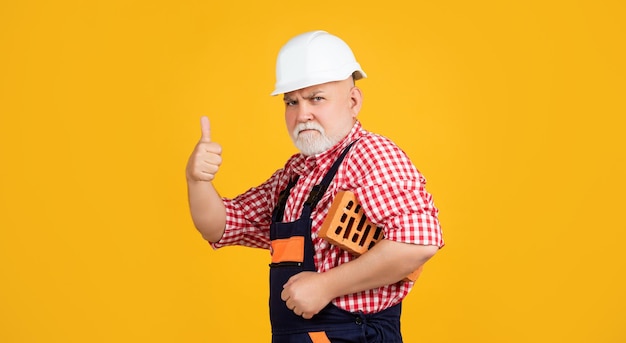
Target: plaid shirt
389, 187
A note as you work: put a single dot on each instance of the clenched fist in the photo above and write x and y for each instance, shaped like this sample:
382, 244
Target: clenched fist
306, 294
206, 158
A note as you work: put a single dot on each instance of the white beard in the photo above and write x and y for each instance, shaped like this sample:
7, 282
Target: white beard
312, 143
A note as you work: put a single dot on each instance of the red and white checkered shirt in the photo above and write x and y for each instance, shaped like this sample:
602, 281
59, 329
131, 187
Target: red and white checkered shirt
389, 187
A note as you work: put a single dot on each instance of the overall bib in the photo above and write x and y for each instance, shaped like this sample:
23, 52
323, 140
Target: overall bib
292, 253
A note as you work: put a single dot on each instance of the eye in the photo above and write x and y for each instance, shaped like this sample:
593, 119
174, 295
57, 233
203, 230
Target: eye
290, 102
317, 98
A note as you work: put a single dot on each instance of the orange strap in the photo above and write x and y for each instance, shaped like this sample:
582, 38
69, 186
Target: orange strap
319, 337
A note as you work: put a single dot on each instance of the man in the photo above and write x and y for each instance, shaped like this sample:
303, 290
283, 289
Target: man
318, 292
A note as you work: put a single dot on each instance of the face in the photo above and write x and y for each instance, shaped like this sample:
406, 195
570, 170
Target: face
320, 116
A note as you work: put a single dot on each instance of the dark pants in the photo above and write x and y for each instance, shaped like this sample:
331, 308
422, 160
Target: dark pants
345, 327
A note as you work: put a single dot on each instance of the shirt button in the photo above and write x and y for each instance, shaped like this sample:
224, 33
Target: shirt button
358, 321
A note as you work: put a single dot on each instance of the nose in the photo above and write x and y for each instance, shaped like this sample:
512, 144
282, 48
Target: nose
304, 113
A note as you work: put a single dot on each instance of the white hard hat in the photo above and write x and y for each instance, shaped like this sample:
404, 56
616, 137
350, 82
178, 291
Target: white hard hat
313, 58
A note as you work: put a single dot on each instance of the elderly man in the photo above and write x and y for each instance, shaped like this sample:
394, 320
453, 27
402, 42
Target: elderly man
318, 291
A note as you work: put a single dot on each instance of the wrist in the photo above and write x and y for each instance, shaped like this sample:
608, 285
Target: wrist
331, 284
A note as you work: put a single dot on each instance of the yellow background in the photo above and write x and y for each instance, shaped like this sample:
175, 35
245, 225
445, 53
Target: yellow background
513, 110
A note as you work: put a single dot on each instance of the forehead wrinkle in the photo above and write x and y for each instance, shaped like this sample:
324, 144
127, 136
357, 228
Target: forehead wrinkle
313, 94
296, 94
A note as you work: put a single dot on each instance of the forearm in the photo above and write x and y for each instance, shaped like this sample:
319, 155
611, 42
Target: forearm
386, 263
207, 209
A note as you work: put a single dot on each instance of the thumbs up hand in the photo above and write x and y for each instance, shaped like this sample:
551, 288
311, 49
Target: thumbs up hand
206, 158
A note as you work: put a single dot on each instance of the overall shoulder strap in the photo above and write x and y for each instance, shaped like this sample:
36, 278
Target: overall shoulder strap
279, 210
318, 190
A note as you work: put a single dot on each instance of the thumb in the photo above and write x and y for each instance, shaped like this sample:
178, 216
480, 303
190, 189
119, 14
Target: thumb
291, 280
206, 129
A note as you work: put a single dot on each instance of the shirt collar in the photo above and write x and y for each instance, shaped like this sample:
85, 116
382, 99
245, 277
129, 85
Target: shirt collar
305, 164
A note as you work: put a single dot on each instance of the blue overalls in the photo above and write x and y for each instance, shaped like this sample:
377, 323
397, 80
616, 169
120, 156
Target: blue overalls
293, 253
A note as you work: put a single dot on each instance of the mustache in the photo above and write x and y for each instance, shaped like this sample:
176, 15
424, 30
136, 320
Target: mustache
307, 126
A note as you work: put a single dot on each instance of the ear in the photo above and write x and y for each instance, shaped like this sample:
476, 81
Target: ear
356, 100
